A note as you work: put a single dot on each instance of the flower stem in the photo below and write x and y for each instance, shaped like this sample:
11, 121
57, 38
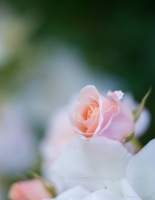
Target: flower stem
136, 143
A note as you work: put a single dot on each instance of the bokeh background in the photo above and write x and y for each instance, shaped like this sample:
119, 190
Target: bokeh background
49, 50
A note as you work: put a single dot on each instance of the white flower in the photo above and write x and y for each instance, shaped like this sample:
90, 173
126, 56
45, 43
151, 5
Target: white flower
94, 164
80, 193
59, 135
103, 163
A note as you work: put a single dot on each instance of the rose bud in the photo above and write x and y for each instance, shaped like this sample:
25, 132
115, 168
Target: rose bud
95, 115
28, 190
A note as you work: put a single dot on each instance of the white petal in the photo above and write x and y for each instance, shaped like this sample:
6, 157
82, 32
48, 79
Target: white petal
93, 164
141, 172
119, 94
74, 193
128, 192
143, 122
79, 193
103, 195
130, 147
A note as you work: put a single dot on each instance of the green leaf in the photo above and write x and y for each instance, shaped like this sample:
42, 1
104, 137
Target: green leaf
139, 109
49, 188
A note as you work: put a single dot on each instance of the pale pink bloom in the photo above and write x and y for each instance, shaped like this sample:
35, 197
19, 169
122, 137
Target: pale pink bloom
28, 190
58, 136
96, 115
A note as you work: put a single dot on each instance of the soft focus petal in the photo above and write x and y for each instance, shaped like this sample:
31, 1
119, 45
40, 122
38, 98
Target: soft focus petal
79, 193
128, 192
103, 195
105, 120
141, 171
28, 190
106, 104
87, 91
59, 135
93, 164
119, 94
130, 147
113, 95
76, 192
143, 122
121, 124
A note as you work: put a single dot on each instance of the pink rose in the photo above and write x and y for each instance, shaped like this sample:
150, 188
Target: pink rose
95, 115
28, 190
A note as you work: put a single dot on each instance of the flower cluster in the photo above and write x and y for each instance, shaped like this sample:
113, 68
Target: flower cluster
94, 154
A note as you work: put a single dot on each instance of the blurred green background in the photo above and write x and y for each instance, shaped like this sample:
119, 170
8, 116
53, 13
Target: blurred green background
115, 38
118, 37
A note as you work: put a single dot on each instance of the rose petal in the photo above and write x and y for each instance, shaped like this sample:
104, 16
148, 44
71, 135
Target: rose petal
73, 193
119, 94
141, 171
128, 192
121, 124
105, 103
105, 120
103, 195
92, 127
113, 95
86, 91
79, 193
